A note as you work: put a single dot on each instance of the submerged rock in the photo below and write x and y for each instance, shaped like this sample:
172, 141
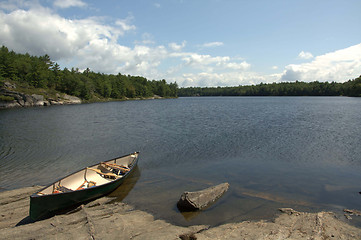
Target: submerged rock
191, 201
353, 212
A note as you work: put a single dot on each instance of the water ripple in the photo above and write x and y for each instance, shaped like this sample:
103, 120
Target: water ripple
275, 144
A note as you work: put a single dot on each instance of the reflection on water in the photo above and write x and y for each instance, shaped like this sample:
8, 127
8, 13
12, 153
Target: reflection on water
300, 152
188, 216
123, 190
252, 195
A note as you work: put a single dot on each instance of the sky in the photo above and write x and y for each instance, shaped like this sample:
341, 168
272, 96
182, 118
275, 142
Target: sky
192, 42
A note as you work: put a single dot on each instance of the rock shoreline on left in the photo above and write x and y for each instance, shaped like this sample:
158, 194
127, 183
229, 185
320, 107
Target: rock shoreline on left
14, 99
103, 218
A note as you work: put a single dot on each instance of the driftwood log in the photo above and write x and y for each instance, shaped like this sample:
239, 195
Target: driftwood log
192, 201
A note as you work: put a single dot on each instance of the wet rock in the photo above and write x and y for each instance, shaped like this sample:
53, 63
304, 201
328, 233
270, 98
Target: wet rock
289, 211
191, 201
352, 212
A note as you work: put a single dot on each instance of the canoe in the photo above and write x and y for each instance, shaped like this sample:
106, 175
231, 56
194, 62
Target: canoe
84, 185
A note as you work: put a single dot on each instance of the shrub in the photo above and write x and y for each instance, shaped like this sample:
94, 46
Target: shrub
6, 98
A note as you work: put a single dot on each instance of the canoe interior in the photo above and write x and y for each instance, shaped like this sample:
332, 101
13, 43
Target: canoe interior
92, 176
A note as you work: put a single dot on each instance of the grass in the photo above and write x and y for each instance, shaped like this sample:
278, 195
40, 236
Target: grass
6, 98
25, 88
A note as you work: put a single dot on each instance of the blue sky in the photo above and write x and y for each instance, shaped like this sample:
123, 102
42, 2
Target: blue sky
192, 42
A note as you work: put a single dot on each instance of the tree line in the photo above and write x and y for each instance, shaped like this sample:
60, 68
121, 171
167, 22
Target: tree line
350, 88
41, 72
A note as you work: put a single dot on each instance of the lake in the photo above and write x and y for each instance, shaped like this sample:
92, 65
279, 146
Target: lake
299, 152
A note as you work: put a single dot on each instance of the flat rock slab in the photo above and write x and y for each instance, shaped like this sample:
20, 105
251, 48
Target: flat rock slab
99, 219
192, 201
289, 225
106, 219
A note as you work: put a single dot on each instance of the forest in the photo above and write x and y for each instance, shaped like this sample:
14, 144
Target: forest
351, 88
41, 72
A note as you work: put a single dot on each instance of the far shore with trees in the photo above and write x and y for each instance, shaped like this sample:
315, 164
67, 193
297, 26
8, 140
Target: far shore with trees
351, 88
32, 74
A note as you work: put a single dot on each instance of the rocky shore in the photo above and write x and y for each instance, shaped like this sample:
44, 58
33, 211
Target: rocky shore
106, 219
12, 98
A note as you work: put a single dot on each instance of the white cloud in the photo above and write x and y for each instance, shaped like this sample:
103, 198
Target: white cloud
69, 3
206, 79
198, 61
80, 43
338, 66
212, 44
90, 42
305, 55
40, 31
104, 56
237, 66
157, 5
11, 5
147, 39
274, 67
177, 47
124, 24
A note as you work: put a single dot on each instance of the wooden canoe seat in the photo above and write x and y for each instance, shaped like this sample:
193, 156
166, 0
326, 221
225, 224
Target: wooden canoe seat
109, 174
90, 184
116, 166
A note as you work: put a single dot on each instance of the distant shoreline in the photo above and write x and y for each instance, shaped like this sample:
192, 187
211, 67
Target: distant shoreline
351, 88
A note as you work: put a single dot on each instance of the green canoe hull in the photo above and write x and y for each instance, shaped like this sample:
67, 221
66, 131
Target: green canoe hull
42, 206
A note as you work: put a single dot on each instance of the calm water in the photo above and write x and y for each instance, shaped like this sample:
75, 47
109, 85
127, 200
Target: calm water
300, 152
